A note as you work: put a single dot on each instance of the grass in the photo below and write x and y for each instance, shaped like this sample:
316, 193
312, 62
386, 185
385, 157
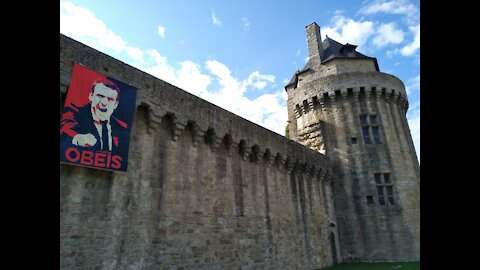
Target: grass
376, 266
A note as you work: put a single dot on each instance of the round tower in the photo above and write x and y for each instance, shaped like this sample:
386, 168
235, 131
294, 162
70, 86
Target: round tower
341, 105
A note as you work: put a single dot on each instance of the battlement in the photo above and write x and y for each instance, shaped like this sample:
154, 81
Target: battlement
372, 86
185, 112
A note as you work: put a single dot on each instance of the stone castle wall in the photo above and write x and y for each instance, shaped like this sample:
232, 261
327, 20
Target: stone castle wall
205, 189
324, 115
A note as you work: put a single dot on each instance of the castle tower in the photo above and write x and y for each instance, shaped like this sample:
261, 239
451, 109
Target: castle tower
340, 104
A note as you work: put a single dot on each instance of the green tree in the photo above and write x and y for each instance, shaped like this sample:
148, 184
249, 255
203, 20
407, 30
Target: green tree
287, 132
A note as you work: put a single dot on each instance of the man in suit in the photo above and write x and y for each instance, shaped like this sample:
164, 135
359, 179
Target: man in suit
93, 127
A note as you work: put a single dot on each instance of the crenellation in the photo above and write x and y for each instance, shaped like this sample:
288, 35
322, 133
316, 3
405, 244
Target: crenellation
333, 98
216, 143
400, 97
344, 93
178, 127
378, 93
297, 111
304, 107
315, 102
233, 148
388, 94
311, 104
319, 174
209, 137
268, 158
356, 94
227, 142
395, 95
242, 149
255, 153
367, 91
280, 161
153, 119
321, 100
323, 176
198, 135
289, 164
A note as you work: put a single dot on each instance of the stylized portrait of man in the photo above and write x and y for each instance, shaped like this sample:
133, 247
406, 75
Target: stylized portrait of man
92, 134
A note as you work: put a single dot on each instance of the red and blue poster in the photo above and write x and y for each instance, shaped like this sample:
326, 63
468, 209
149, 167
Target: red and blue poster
96, 121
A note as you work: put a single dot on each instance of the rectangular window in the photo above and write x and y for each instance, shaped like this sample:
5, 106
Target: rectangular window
381, 200
380, 190
384, 189
363, 120
378, 179
389, 190
386, 177
366, 135
376, 137
354, 140
390, 201
370, 128
369, 199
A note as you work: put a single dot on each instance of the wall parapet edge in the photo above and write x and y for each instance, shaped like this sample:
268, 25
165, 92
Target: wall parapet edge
162, 99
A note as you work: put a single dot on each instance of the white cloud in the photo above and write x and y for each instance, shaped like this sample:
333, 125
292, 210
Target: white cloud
401, 7
134, 53
188, 77
298, 52
215, 20
413, 84
161, 31
246, 25
411, 48
346, 30
258, 81
268, 110
81, 23
386, 34
246, 22
191, 79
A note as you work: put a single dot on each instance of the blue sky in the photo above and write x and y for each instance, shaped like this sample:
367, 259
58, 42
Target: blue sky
240, 54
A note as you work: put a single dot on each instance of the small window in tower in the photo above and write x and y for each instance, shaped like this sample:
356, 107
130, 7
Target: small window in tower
363, 120
354, 140
370, 128
389, 190
384, 189
386, 176
369, 199
380, 190
390, 201
366, 135
378, 179
381, 200
376, 136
